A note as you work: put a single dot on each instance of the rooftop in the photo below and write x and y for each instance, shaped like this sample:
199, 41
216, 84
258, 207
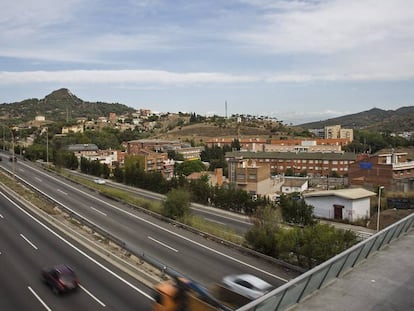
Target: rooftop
351, 193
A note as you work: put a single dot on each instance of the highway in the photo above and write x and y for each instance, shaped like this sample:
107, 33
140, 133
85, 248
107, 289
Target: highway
27, 244
237, 223
202, 260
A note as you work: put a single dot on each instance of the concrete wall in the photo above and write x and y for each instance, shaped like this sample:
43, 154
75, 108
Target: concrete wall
353, 209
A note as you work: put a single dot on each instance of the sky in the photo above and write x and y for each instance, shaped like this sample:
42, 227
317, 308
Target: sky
293, 60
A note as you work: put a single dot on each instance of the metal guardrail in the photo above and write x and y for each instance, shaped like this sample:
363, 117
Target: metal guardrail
299, 288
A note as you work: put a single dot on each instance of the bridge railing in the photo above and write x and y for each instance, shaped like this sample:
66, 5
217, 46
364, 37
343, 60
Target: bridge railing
299, 288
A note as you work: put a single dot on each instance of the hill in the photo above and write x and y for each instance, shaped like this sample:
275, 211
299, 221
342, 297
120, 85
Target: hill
400, 120
201, 132
60, 105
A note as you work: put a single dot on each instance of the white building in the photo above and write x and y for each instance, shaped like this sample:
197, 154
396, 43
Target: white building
349, 204
295, 184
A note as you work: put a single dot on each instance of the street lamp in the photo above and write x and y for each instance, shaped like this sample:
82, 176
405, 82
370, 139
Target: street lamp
47, 146
379, 206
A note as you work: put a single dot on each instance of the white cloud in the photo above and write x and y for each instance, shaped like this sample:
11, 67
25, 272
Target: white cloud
333, 26
160, 77
121, 76
25, 16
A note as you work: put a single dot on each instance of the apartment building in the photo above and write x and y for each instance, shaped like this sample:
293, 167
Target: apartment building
250, 144
306, 145
157, 145
335, 131
153, 161
250, 177
315, 164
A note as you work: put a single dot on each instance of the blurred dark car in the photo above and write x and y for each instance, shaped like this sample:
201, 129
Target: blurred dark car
61, 278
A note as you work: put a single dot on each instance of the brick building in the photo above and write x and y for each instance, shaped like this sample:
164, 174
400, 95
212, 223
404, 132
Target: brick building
392, 170
315, 164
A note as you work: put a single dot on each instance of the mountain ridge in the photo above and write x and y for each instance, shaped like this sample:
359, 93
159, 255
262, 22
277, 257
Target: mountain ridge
63, 105
375, 119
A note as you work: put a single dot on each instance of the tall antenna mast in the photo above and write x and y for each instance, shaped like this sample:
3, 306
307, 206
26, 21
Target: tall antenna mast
225, 104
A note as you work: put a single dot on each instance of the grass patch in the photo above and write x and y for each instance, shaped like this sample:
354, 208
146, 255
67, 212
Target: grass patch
213, 228
29, 195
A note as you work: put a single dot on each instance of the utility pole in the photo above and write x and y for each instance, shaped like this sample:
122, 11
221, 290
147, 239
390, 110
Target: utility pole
47, 146
379, 207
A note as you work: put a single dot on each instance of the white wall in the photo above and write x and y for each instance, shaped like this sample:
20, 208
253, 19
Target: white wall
353, 209
360, 209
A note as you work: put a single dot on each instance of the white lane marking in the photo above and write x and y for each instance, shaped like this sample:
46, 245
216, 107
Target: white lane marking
38, 179
216, 221
79, 250
93, 297
61, 191
163, 244
96, 210
150, 223
27, 240
1, 216
40, 299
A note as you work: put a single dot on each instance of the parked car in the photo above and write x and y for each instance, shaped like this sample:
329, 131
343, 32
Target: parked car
247, 285
99, 181
61, 278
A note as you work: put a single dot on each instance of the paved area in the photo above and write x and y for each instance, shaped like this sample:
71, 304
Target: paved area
384, 282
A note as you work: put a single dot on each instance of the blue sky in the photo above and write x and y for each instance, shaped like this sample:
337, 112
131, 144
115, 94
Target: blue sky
298, 61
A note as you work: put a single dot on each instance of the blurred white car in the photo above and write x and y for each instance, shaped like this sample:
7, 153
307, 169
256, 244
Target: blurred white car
99, 181
247, 285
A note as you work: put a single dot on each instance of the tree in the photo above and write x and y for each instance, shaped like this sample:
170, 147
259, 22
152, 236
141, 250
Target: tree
295, 210
172, 154
65, 158
235, 144
262, 235
289, 172
201, 190
187, 167
313, 245
134, 170
118, 173
177, 204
